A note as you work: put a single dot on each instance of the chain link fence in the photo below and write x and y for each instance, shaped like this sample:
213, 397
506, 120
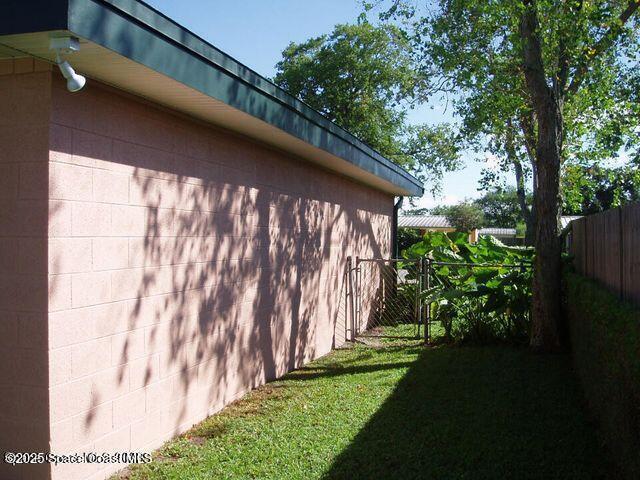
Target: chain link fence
387, 297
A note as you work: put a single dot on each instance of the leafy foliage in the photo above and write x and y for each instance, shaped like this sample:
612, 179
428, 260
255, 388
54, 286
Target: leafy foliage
592, 189
500, 208
354, 76
465, 217
474, 49
545, 80
479, 292
363, 78
439, 210
416, 211
407, 237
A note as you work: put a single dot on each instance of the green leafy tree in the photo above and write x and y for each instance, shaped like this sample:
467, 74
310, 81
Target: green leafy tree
362, 77
558, 70
592, 189
500, 207
439, 210
416, 211
407, 237
465, 217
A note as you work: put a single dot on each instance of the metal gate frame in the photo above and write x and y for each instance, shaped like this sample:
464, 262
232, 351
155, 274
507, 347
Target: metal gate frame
354, 269
422, 312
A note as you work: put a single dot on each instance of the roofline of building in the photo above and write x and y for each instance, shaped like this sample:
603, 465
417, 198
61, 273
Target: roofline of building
564, 218
135, 30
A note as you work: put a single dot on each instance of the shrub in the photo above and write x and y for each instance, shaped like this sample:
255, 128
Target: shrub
605, 342
483, 293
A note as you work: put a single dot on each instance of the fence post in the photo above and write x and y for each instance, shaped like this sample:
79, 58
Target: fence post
427, 316
621, 251
419, 293
350, 289
357, 299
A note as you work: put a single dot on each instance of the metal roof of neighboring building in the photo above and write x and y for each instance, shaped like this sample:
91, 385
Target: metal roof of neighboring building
440, 221
423, 221
498, 232
129, 45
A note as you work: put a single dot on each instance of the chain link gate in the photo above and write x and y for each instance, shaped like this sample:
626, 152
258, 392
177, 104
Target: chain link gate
390, 297
385, 298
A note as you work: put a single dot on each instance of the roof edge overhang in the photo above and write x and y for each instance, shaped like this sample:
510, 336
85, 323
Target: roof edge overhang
133, 30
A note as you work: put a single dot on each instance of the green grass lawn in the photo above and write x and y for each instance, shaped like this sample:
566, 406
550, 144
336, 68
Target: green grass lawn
400, 411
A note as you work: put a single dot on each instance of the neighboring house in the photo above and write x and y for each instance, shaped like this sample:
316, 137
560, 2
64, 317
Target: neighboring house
425, 223
172, 236
439, 223
507, 236
431, 223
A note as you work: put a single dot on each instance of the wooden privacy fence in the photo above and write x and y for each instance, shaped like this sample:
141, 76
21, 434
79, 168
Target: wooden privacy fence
606, 247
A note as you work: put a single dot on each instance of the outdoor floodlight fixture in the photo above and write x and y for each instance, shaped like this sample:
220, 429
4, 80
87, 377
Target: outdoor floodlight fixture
62, 45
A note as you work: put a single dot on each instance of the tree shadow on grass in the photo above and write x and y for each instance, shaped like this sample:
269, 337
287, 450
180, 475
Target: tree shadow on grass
366, 361
478, 413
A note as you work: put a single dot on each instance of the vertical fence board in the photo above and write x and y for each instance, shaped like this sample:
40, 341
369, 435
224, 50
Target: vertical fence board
631, 253
592, 231
610, 250
577, 244
585, 246
606, 247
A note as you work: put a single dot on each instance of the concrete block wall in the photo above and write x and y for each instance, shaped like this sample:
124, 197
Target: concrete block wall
25, 99
185, 264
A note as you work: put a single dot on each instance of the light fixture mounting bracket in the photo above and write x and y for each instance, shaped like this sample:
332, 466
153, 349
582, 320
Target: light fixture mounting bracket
64, 44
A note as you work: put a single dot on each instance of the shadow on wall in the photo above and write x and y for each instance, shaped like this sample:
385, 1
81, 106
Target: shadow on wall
235, 255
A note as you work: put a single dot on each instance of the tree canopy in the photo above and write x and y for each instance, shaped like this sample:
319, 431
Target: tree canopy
546, 81
475, 51
500, 208
363, 77
592, 189
416, 211
465, 216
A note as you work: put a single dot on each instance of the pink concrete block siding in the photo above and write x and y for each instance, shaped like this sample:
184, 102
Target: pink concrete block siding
185, 265
25, 100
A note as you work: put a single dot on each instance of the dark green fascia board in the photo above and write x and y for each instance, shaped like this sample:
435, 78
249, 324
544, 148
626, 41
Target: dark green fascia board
134, 30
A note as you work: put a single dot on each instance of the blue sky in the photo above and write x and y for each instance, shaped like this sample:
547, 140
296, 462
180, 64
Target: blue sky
256, 31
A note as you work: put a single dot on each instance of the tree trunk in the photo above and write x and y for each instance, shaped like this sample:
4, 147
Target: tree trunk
545, 311
546, 308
